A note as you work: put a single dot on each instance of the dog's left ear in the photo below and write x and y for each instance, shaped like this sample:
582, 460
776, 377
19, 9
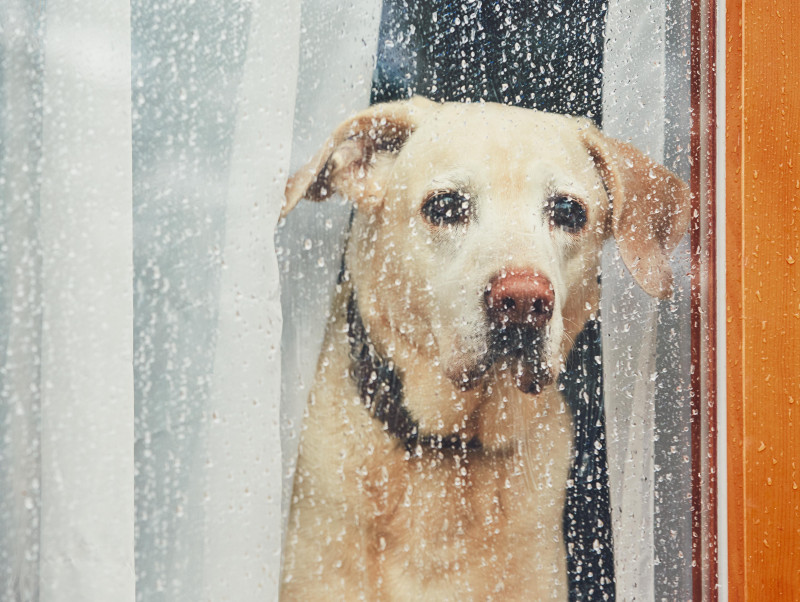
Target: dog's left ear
347, 161
650, 209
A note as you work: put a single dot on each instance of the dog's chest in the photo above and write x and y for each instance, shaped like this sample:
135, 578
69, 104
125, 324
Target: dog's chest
371, 522
480, 526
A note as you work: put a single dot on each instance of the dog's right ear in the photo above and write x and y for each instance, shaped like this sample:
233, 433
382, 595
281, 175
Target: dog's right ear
346, 162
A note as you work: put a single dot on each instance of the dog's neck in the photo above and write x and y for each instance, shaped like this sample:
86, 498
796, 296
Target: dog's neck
380, 387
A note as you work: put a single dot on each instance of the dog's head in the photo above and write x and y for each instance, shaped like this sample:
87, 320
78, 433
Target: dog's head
478, 230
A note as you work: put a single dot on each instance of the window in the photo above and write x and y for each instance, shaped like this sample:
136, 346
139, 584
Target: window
639, 432
483, 418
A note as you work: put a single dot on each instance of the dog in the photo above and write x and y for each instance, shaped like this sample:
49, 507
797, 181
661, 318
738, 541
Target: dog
436, 444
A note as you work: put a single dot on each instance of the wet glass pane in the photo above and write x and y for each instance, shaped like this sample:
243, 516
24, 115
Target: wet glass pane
487, 342
375, 300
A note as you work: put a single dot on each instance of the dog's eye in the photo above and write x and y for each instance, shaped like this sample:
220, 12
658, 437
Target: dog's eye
567, 213
447, 209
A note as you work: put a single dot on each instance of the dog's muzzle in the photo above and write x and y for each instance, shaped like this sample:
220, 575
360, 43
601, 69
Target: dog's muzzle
519, 306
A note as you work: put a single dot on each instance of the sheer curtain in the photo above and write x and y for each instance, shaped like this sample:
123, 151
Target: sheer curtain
144, 148
646, 347
67, 377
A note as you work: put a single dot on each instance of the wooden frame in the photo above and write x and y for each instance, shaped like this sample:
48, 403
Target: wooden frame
762, 302
703, 319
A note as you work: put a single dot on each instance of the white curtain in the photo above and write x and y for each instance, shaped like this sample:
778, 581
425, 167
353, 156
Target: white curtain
646, 347
86, 378
67, 370
97, 162
242, 461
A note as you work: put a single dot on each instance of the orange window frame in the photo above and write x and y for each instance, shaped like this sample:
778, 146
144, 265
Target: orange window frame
762, 302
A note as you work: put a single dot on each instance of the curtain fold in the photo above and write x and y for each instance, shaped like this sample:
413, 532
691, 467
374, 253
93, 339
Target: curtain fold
646, 342
242, 461
20, 311
214, 92
73, 292
633, 107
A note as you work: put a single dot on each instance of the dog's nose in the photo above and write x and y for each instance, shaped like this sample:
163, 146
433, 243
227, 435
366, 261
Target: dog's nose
520, 297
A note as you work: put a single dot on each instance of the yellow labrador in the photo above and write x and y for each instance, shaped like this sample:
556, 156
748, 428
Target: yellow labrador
436, 445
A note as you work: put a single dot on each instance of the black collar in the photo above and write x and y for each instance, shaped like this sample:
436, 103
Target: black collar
380, 386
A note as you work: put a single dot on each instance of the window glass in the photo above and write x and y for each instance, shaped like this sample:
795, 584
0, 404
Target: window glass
371, 300
624, 524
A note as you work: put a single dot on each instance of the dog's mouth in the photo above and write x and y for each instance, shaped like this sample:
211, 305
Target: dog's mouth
518, 350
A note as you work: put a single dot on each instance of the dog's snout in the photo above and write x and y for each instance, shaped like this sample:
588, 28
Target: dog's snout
520, 297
